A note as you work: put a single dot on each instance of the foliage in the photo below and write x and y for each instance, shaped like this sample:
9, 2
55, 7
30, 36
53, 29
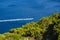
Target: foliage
47, 28
2, 37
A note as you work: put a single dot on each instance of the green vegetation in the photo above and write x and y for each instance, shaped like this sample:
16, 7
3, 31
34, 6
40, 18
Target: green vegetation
47, 28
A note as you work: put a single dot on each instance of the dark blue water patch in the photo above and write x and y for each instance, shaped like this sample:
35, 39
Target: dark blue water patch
55, 0
7, 0
2, 0
12, 5
38, 7
6, 26
57, 6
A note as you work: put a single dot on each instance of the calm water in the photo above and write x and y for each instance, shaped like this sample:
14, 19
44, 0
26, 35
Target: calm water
12, 9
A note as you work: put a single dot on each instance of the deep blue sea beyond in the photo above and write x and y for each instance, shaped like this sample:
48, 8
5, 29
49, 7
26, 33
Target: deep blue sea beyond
14, 9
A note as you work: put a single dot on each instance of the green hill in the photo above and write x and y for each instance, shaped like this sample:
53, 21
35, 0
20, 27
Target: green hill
47, 28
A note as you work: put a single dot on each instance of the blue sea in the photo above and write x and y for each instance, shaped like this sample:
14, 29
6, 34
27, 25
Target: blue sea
13, 9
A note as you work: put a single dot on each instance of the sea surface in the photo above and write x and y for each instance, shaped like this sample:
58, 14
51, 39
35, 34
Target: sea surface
14, 9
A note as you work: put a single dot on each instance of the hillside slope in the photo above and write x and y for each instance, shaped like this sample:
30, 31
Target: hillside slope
47, 28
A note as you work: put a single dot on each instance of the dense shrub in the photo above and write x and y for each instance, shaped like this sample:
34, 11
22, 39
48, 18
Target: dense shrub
47, 28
